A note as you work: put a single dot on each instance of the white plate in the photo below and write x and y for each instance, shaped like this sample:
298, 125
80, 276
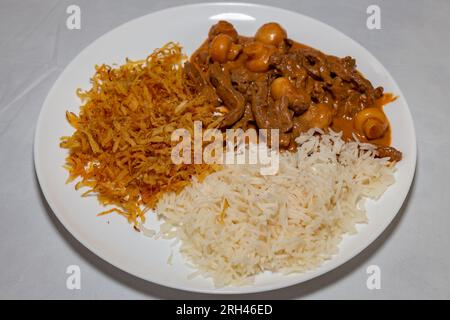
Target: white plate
111, 237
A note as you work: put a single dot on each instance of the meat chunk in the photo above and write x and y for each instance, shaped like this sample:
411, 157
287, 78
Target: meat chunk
242, 79
232, 99
317, 75
316, 90
194, 74
279, 116
345, 69
289, 67
247, 118
271, 115
260, 96
389, 152
199, 82
341, 68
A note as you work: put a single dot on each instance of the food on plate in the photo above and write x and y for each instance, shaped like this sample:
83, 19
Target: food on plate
237, 223
272, 82
121, 147
234, 222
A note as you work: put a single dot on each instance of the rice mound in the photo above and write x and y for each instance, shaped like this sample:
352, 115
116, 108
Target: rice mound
237, 223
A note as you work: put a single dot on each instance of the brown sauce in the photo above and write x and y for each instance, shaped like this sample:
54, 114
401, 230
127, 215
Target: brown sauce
330, 92
345, 124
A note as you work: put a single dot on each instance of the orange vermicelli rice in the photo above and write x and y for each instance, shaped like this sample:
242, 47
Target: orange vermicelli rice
121, 149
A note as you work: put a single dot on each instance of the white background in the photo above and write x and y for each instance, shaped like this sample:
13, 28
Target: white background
35, 250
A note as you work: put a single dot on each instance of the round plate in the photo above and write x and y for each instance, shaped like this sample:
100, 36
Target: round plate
111, 237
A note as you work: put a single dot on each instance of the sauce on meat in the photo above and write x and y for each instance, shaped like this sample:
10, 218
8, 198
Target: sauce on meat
270, 81
346, 124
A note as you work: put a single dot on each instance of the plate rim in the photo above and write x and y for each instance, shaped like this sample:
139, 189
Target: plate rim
231, 289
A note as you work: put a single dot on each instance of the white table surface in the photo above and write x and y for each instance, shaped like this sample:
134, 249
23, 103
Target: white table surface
35, 249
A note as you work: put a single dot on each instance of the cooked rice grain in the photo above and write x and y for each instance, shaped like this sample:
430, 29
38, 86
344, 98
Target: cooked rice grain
238, 223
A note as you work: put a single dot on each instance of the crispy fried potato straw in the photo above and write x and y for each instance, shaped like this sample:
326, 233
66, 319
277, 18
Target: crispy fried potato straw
121, 149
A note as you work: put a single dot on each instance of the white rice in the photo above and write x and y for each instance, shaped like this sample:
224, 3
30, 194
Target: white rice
289, 222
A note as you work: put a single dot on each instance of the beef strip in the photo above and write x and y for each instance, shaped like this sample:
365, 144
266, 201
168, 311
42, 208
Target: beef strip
281, 117
242, 79
389, 152
345, 69
194, 74
378, 92
246, 119
299, 106
232, 99
317, 75
260, 96
268, 114
315, 62
287, 66
199, 82
329, 83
